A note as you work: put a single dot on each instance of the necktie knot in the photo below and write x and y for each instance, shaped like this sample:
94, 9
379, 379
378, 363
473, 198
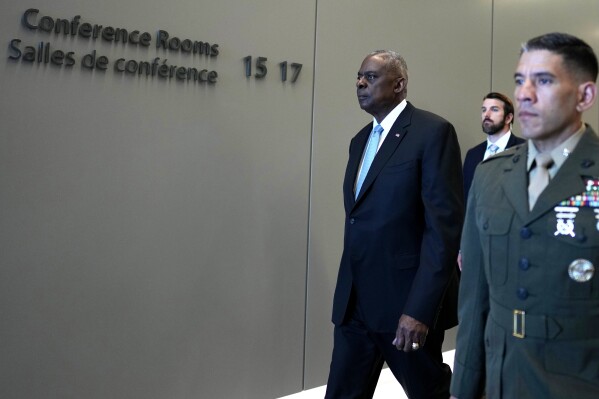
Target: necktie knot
539, 178
378, 129
544, 160
493, 148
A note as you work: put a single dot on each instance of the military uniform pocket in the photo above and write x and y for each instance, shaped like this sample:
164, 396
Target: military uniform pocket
494, 226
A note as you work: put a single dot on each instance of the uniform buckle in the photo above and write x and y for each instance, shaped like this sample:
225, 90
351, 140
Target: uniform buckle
519, 323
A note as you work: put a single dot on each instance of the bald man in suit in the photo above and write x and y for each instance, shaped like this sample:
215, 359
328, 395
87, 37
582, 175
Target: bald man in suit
397, 282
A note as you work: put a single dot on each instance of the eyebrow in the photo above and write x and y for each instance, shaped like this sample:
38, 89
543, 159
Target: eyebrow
536, 74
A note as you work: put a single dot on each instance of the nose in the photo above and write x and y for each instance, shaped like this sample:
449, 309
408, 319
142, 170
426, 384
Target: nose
525, 91
361, 82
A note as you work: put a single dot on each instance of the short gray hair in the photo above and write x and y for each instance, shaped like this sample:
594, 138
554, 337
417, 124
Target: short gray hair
395, 63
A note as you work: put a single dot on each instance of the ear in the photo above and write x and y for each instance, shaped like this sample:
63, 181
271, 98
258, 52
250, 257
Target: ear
400, 85
587, 94
509, 119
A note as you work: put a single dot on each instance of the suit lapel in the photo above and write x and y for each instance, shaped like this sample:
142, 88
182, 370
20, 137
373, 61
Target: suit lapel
512, 141
392, 140
353, 164
480, 152
569, 180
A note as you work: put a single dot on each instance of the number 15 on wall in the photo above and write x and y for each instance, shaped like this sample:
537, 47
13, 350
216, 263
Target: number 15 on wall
262, 70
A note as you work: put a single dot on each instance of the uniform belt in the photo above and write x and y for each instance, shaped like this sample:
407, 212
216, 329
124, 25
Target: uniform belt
522, 324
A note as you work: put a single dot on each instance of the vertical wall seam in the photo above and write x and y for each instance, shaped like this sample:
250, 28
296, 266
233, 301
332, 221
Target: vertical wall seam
310, 180
492, 41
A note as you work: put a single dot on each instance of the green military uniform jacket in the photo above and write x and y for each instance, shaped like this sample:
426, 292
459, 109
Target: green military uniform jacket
529, 298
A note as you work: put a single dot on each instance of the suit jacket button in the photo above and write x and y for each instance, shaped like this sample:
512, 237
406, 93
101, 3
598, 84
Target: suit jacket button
525, 233
522, 293
352, 221
524, 264
587, 163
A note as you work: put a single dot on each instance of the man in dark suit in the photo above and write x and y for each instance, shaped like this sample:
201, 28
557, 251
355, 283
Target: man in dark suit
529, 293
396, 287
497, 115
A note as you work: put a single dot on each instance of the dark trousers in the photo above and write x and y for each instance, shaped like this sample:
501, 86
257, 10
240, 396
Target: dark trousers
359, 354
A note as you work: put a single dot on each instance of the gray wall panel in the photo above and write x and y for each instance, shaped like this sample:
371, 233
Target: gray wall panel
162, 239
154, 233
449, 72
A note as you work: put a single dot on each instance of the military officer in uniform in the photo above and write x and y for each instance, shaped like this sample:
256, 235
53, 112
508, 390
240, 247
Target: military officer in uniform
529, 293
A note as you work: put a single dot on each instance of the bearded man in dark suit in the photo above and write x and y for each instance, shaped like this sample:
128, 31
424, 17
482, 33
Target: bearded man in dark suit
497, 115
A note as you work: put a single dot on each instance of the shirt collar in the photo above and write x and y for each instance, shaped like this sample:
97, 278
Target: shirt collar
559, 153
390, 119
502, 142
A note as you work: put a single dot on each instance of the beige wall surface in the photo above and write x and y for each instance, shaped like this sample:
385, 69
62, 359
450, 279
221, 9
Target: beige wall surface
163, 238
154, 231
440, 80
456, 53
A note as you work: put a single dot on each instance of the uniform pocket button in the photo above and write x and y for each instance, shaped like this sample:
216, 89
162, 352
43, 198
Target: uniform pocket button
525, 233
522, 293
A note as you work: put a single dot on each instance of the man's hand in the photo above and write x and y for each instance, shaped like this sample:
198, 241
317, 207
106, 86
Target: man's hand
410, 331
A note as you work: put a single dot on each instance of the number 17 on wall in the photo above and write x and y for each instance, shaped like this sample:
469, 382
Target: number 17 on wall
262, 70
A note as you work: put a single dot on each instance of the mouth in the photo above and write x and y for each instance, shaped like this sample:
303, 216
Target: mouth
526, 114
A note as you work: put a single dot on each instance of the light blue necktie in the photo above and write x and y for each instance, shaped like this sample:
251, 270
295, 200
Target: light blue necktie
493, 148
371, 147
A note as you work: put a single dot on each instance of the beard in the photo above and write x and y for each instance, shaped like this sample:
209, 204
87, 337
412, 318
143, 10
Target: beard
492, 128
